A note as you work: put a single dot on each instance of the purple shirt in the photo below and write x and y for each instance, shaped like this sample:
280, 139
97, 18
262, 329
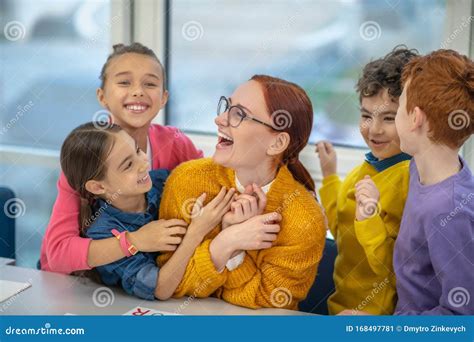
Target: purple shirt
434, 251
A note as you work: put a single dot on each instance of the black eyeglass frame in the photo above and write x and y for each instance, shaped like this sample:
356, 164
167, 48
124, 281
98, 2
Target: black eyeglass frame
243, 117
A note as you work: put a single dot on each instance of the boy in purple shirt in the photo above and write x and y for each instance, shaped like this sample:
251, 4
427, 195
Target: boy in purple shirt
434, 251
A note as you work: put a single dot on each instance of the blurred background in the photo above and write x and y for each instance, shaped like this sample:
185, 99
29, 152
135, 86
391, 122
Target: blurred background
51, 53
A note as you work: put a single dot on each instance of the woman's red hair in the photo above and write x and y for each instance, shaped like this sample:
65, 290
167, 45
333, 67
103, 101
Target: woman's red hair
291, 112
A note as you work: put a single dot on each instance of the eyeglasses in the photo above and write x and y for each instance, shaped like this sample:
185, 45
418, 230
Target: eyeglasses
236, 114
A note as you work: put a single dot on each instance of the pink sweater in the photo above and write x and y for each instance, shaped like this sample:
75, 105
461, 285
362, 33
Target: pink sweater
63, 250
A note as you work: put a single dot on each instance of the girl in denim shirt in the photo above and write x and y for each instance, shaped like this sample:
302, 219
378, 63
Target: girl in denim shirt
119, 195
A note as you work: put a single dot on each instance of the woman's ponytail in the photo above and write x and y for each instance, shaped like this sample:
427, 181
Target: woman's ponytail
301, 174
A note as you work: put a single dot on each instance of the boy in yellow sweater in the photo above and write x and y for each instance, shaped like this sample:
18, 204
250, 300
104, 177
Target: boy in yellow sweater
364, 210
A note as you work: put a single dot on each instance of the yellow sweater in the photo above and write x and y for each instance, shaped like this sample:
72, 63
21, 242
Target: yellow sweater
280, 276
363, 271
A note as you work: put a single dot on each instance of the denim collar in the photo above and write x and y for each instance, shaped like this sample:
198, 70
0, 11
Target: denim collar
103, 207
381, 165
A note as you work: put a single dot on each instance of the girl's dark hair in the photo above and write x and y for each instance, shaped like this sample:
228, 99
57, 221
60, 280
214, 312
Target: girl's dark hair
121, 49
291, 112
83, 156
385, 72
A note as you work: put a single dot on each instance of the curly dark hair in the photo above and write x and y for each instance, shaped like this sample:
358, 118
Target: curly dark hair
385, 72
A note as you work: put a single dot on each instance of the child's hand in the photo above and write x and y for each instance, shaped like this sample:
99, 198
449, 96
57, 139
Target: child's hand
245, 206
205, 219
327, 158
367, 198
158, 236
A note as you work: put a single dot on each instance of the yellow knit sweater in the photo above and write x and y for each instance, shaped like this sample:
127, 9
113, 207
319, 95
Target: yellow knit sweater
280, 276
363, 271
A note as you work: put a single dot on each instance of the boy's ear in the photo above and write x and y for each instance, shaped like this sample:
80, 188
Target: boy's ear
418, 118
100, 97
95, 187
279, 145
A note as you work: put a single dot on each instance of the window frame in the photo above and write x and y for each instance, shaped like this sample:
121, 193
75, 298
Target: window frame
135, 18
348, 157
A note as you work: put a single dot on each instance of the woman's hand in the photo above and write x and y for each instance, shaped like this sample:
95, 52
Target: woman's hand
256, 233
367, 198
245, 206
158, 236
327, 158
204, 219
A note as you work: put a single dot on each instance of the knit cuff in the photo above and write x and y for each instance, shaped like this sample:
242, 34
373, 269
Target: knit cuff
236, 261
370, 231
329, 188
241, 275
205, 267
330, 179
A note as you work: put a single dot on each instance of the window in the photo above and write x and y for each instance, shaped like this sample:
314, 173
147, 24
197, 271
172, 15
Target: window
53, 51
51, 54
321, 45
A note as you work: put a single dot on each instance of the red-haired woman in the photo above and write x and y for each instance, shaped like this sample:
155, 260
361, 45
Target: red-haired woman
267, 249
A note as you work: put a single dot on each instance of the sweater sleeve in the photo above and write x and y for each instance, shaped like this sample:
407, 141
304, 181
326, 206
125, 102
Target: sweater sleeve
201, 278
284, 273
137, 274
377, 244
328, 193
451, 251
65, 251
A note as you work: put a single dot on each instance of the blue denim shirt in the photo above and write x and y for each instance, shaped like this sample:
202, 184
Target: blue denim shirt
137, 274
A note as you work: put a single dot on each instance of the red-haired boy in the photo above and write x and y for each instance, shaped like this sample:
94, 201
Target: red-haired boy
434, 251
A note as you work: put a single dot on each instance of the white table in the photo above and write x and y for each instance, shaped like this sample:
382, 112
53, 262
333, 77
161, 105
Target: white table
58, 294
6, 261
